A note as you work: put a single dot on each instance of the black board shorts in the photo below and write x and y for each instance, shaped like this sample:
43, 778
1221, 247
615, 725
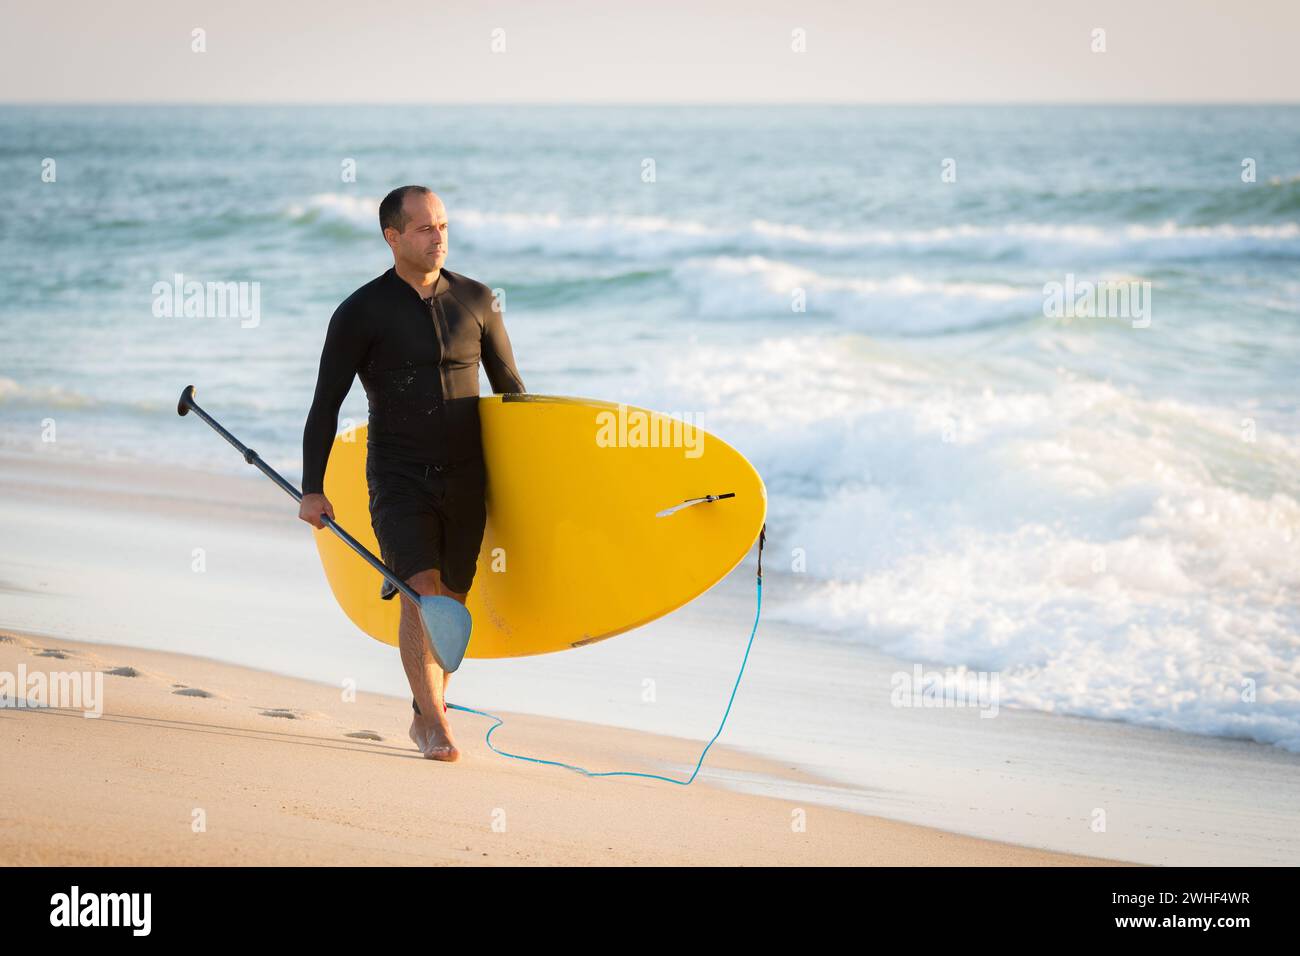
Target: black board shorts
428, 516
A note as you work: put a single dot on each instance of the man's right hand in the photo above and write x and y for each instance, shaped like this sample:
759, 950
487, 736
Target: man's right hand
312, 507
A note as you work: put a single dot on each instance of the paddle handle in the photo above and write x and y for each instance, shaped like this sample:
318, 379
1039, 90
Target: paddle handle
187, 405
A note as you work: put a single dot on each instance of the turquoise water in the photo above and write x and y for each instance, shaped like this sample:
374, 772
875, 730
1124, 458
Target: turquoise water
1103, 511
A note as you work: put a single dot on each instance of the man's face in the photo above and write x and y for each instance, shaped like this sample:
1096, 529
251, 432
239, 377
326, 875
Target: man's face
423, 243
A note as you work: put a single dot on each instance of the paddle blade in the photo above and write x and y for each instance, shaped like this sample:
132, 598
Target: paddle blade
447, 627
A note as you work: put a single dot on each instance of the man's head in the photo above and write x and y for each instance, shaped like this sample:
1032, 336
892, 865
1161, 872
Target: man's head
414, 222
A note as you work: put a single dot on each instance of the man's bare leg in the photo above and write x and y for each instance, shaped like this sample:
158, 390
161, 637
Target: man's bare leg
430, 729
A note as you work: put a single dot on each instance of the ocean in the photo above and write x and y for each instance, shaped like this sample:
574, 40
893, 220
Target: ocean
971, 462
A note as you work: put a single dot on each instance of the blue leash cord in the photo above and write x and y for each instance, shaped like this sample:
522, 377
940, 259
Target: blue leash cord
758, 610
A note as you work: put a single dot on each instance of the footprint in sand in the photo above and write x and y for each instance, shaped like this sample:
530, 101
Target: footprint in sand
286, 714
123, 672
191, 692
364, 735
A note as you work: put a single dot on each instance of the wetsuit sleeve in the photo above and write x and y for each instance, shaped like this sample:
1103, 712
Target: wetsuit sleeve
346, 344
498, 357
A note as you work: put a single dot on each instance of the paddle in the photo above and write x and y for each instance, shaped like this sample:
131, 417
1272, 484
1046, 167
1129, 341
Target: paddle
446, 622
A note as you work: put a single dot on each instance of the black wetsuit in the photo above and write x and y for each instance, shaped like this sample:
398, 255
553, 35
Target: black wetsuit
418, 360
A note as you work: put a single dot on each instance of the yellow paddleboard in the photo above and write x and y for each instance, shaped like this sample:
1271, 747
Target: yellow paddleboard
575, 549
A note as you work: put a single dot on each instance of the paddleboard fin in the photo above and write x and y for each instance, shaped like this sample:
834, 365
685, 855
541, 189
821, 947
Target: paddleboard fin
693, 501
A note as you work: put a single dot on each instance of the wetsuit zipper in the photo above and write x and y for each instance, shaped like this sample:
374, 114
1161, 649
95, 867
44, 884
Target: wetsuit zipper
435, 315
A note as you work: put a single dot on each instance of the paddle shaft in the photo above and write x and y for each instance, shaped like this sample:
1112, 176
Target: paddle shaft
187, 404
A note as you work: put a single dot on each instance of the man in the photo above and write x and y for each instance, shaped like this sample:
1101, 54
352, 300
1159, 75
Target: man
416, 336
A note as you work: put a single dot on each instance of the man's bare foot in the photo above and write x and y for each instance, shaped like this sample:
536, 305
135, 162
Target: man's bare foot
434, 739
418, 735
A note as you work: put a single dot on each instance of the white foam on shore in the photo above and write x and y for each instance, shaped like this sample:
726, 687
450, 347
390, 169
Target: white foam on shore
1109, 555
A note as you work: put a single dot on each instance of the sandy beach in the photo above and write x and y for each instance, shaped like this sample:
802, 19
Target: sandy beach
199, 763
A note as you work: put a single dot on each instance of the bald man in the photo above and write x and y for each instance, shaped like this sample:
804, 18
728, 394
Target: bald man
416, 336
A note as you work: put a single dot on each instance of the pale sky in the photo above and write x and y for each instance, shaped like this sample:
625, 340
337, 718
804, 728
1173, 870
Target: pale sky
656, 51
